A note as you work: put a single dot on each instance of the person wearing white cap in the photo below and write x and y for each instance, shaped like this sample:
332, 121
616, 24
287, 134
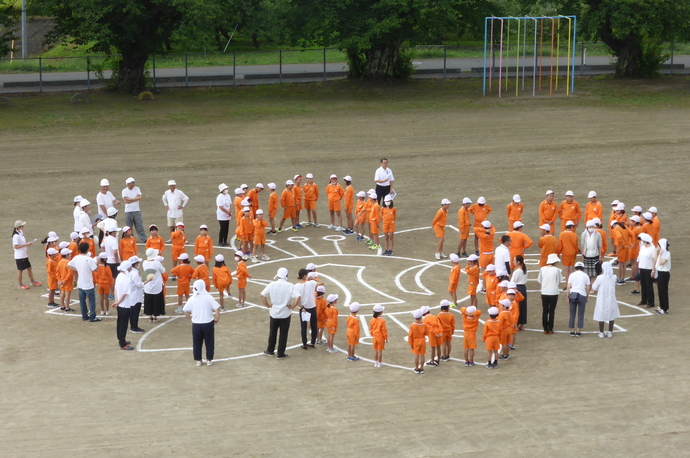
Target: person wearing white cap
105, 199
470, 324
464, 224
591, 249
606, 307
123, 304
84, 265
75, 213
204, 312
569, 210
131, 195
454, 278
519, 241
447, 321
374, 216
299, 199
174, 201
287, 201
577, 292
438, 224
548, 211
349, 201
331, 321
335, 193
384, 180
203, 244
51, 271
223, 213
65, 279
614, 215
379, 334
305, 289
485, 233
361, 216
550, 278
253, 196
272, 208
514, 211
593, 209
663, 270
21, 254
623, 238
353, 328
84, 215
112, 249
480, 211
108, 221
260, 225
646, 262
222, 279
137, 294
656, 224
651, 226
279, 297
491, 337
547, 243
154, 290
568, 248
416, 338
636, 228
311, 195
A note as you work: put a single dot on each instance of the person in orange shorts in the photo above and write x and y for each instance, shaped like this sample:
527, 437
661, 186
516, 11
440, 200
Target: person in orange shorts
222, 279
349, 201
515, 297
481, 211
374, 221
203, 244
335, 193
416, 338
656, 223
621, 237
547, 243
242, 274
379, 334
454, 278
490, 337
299, 199
472, 272
65, 277
567, 249
201, 271
272, 208
505, 320
253, 197
470, 324
636, 228
247, 232
178, 240
331, 321
514, 211
104, 282
569, 210
491, 285
447, 321
237, 204
260, 226
311, 195
438, 224
360, 215
183, 272
51, 271
548, 210
155, 241
435, 336
321, 318
485, 233
593, 209
287, 201
128, 244
388, 216
352, 324
464, 225
519, 242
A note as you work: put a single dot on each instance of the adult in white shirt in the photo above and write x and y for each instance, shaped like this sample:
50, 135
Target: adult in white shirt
606, 308
123, 304
590, 246
84, 215
280, 299
105, 199
577, 291
502, 258
306, 290
384, 180
137, 295
109, 221
76, 212
646, 262
154, 296
21, 254
174, 201
223, 213
112, 251
84, 266
204, 312
132, 196
663, 270
519, 277
550, 278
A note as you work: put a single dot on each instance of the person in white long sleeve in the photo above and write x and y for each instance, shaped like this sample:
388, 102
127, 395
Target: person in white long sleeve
174, 201
550, 278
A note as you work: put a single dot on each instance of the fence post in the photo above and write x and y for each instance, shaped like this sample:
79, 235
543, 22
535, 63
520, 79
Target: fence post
582, 62
280, 69
234, 67
40, 74
324, 64
444, 61
186, 73
154, 70
88, 72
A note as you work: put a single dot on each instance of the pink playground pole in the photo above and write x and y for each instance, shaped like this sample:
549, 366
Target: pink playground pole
500, 59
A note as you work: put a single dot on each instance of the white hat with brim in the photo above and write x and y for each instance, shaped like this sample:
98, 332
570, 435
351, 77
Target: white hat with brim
470, 310
466, 200
378, 307
129, 180
83, 203
553, 259
472, 257
124, 266
425, 309
454, 258
320, 289
444, 303
445, 202
151, 253
289, 182
332, 298
183, 256
220, 258
65, 251
78, 199
505, 302
517, 199
361, 194
52, 251
545, 227
517, 224
591, 195
646, 237
172, 183
486, 224
199, 258
222, 187
354, 307
569, 193
282, 273
481, 200
493, 311
105, 182
271, 185
417, 314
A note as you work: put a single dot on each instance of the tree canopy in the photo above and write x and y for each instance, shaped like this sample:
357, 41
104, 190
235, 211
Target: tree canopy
8, 27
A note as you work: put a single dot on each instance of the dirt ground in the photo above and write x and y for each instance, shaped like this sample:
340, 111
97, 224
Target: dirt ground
68, 390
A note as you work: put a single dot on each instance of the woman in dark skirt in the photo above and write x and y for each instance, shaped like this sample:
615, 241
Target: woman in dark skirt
154, 290
519, 277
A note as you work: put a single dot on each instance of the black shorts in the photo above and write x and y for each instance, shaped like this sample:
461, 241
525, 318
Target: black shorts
23, 264
114, 269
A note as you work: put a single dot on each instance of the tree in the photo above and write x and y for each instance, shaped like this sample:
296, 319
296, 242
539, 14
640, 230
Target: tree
134, 28
8, 27
372, 32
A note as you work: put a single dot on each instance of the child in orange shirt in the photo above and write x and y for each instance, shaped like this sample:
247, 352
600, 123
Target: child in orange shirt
335, 194
505, 320
287, 201
514, 211
247, 232
360, 215
242, 275
297, 191
128, 244
201, 271
379, 334
352, 332
222, 279
260, 225
183, 272
491, 285
272, 208
472, 271
374, 220
435, 336
470, 324
65, 278
204, 245
512, 296
416, 338
447, 321
439, 226
490, 337
74, 244
179, 240
311, 195
349, 200
105, 281
51, 270
331, 321
253, 196
88, 239
454, 278
155, 241
321, 318
388, 216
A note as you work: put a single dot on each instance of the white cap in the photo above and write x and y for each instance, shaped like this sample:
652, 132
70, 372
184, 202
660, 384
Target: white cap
78, 199
370, 191
470, 310
63, 245
183, 256
493, 311
648, 216
445, 303
569, 223
309, 175
334, 176
312, 275
550, 191
552, 259
74, 235
112, 229
112, 211
425, 309
238, 191
454, 258
372, 195
289, 182
517, 224
203, 226
134, 259
652, 210
504, 302
220, 258
637, 209
83, 203
104, 255
52, 239
510, 291
646, 237
417, 314
297, 176
282, 273
388, 198
130, 180
52, 251
244, 186
620, 206
377, 307
569, 193
126, 228
105, 182
635, 218
271, 185
481, 200
347, 178
222, 187
332, 298
472, 257
490, 268
124, 266
466, 200
320, 289
579, 264
354, 307
199, 258
512, 285
311, 266
85, 230
445, 202
151, 253
486, 224
545, 227
65, 251
180, 224
361, 194
591, 194
259, 185
259, 212
503, 284
590, 223
53, 234
614, 203
239, 254
596, 220
516, 198
172, 183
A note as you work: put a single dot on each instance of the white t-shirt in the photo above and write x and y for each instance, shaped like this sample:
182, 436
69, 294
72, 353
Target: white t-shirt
645, 260
155, 286
578, 281
307, 293
225, 201
383, 174
19, 239
550, 278
84, 220
666, 267
77, 224
519, 277
173, 200
137, 286
106, 223
500, 258
110, 246
84, 266
201, 306
280, 294
105, 200
123, 286
131, 194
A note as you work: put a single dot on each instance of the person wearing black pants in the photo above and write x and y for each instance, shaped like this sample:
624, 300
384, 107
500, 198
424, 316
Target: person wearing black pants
305, 324
122, 304
223, 213
548, 304
280, 299
647, 288
663, 270
384, 180
550, 278
223, 234
203, 334
204, 312
276, 325
123, 314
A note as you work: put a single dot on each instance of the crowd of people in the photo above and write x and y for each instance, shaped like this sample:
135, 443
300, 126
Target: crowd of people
108, 265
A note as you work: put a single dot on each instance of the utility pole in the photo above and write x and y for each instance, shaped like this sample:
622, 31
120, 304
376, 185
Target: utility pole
25, 44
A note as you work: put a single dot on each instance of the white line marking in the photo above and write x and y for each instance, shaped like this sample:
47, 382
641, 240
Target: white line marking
272, 245
371, 360
400, 323
302, 241
365, 326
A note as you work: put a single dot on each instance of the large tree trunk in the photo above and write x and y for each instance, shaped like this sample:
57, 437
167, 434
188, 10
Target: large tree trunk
130, 75
377, 63
629, 56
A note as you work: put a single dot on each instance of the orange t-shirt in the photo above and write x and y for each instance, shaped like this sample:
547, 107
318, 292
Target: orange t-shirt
183, 272
287, 198
297, 191
472, 279
378, 329
480, 212
179, 239
157, 243
440, 219
349, 199
352, 324
388, 215
548, 245
321, 317
201, 273
454, 278
594, 211
491, 286
203, 246
447, 321
334, 193
221, 277
547, 212
272, 204
570, 211
486, 241
416, 338
374, 213
65, 275
567, 244
260, 226
92, 246
128, 248
311, 192
514, 213
463, 217
104, 276
433, 325
492, 328
470, 323
332, 319
254, 199
242, 274
519, 242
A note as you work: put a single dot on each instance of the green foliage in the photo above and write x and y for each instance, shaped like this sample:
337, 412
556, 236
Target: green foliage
8, 27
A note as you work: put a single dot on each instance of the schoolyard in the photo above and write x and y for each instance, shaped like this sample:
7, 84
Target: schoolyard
68, 390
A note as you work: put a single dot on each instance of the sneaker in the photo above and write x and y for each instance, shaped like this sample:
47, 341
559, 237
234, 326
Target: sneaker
254, 259
294, 229
495, 364
330, 226
634, 292
136, 331
309, 223
35, 283
331, 350
317, 225
464, 253
416, 371
471, 363
443, 256
452, 305
512, 347
602, 335
609, 334
375, 247
282, 356
339, 229
23, 287
620, 282
198, 364
299, 226
179, 310
268, 354
95, 320
467, 364
369, 242
265, 258
111, 297
390, 252
209, 362
572, 333
489, 365
359, 238
437, 255
349, 231
431, 363
280, 230
127, 348
173, 278
53, 305
320, 343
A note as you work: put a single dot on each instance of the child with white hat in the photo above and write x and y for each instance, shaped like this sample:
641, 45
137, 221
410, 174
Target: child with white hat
331, 321
184, 272
439, 226
447, 321
65, 277
321, 318
349, 201
435, 335
51, 271
454, 278
242, 274
472, 272
311, 195
204, 245
388, 216
490, 337
260, 225
360, 215
352, 324
416, 338
379, 334
272, 208
335, 194
470, 324
374, 220
201, 271
222, 279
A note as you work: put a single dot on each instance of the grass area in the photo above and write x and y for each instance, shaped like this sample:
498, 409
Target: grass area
209, 105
